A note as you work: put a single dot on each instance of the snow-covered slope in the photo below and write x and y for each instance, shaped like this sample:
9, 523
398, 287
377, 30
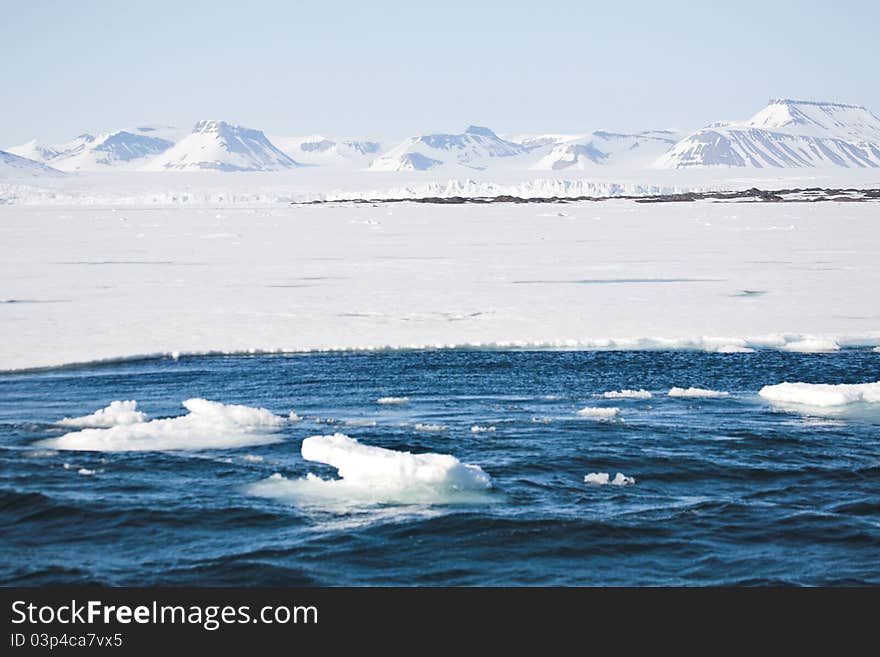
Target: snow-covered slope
476, 148
15, 166
637, 150
126, 148
222, 146
317, 150
786, 133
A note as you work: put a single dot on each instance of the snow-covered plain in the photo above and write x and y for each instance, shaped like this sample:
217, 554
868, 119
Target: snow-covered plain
81, 284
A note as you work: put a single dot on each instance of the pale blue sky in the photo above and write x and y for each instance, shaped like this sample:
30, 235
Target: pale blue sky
389, 69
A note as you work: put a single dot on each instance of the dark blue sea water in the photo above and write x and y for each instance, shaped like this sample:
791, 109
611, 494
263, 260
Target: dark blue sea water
728, 490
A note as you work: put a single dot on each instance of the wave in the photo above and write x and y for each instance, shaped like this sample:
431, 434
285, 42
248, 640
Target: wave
208, 425
117, 413
387, 401
370, 475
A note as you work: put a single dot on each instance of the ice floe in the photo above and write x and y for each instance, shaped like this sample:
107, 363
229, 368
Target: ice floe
604, 479
369, 474
430, 428
477, 428
811, 346
627, 394
822, 394
596, 413
208, 425
117, 413
696, 393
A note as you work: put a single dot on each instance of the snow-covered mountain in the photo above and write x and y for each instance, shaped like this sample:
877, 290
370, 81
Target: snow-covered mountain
476, 148
15, 166
317, 150
636, 150
127, 148
221, 146
786, 133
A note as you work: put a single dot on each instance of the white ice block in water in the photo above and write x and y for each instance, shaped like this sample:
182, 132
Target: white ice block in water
604, 479
696, 393
117, 413
208, 425
845, 401
390, 468
374, 475
812, 346
596, 413
627, 394
823, 394
430, 428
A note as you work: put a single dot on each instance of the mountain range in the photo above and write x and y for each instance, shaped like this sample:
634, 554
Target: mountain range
784, 134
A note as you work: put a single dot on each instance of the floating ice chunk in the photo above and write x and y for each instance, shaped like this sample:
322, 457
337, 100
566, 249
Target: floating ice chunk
85, 471
386, 467
598, 478
627, 394
371, 475
876, 350
430, 428
293, 417
208, 425
117, 413
481, 429
696, 392
595, 413
392, 400
822, 394
811, 346
604, 479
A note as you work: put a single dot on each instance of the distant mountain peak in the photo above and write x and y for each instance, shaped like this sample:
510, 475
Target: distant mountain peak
814, 103
16, 166
479, 130
221, 127
785, 133
89, 152
475, 148
221, 146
